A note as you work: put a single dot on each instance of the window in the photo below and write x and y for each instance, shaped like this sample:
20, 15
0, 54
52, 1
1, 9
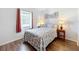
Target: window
26, 20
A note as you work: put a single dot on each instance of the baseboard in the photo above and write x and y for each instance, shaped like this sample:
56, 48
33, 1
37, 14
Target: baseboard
10, 41
78, 43
73, 40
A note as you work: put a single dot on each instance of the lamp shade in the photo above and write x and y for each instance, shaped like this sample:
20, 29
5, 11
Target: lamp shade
40, 22
61, 22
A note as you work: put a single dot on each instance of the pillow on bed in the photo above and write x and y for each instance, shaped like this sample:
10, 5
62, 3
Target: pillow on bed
50, 25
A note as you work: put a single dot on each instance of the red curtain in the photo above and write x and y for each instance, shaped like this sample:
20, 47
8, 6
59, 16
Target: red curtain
18, 21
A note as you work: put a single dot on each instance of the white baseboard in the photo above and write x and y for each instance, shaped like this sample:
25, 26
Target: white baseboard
10, 41
78, 43
73, 40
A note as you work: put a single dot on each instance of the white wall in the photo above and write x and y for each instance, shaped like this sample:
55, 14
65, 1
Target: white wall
71, 15
78, 28
8, 26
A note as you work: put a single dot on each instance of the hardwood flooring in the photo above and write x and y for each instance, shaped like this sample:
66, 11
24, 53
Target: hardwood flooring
17, 46
62, 45
56, 45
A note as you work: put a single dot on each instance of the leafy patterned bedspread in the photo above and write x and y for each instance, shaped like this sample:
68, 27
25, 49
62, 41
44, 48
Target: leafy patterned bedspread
39, 38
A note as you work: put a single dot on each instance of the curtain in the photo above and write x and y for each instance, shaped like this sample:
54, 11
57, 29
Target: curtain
18, 21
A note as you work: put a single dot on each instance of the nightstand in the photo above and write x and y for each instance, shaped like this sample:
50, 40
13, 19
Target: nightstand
61, 33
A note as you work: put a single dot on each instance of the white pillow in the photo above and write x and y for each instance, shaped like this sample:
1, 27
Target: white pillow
50, 25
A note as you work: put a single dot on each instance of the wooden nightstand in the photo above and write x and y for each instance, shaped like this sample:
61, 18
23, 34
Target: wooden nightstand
61, 33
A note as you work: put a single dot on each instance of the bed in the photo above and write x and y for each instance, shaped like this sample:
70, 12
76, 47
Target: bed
40, 38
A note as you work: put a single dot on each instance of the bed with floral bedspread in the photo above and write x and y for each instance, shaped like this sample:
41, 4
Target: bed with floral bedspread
39, 38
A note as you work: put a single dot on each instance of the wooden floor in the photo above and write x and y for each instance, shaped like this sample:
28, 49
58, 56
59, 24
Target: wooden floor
61, 45
56, 45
